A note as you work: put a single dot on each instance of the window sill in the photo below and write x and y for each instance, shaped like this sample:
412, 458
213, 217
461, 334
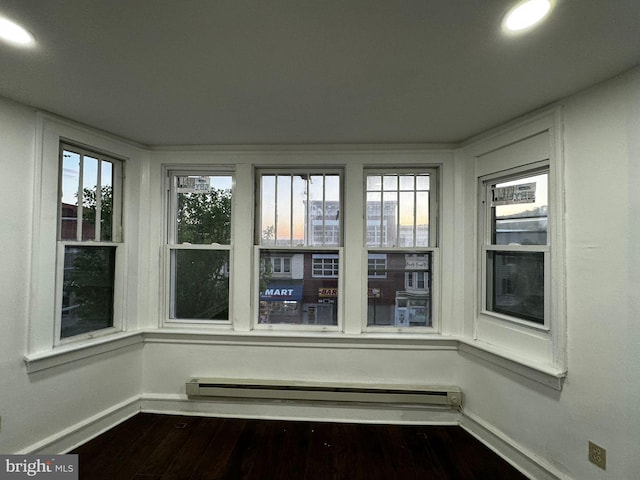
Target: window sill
311, 339
72, 352
549, 375
545, 374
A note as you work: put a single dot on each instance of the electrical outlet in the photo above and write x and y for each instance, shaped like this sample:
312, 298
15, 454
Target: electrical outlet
598, 455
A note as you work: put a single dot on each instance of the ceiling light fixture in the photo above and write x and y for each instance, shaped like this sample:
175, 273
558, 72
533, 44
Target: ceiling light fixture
526, 14
13, 33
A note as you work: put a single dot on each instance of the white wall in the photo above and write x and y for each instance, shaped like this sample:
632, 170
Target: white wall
600, 400
36, 406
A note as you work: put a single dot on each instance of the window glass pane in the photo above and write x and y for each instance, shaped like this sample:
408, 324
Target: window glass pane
90, 200
204, 209
268, 210
200, 284
519, 211
87, 289
305, 295
407, 219
422, 219
106, 212
283, 211
399, 295
390, 218
376, 226
70, 183
299, 208
515, 284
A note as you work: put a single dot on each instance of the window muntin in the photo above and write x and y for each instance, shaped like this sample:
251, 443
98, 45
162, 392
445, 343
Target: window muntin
89, 229
301, 212
516, 250
400, 237
199, 245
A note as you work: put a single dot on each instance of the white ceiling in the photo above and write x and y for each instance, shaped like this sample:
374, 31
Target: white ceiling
202, 72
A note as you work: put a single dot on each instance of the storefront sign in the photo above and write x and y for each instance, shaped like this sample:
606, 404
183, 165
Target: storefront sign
193, 184
327, 292
282, 293
373, 293
524, 193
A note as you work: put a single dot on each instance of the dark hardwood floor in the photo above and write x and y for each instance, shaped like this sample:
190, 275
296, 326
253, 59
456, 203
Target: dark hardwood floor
171, 447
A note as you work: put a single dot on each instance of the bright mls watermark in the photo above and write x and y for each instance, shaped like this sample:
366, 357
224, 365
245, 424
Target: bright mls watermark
52, 467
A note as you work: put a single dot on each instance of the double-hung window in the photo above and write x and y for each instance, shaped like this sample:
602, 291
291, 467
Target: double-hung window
400, 240
298, 235
515, 248
89, 243
199, 246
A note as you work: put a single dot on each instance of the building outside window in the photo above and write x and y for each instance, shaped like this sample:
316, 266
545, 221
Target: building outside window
299, 217
400, 243
199, 245
89, 238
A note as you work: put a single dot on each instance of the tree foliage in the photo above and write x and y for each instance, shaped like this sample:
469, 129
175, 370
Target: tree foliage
202, 279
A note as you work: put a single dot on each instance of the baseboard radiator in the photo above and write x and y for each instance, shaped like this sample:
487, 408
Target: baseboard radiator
448, 396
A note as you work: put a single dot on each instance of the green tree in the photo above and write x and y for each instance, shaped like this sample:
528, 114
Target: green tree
202, 279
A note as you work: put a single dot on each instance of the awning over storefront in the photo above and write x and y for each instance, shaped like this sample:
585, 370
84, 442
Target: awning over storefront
282, 293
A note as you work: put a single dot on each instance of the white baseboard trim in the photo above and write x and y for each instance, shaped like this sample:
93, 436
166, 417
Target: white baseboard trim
75, 435
531, 465
299, 410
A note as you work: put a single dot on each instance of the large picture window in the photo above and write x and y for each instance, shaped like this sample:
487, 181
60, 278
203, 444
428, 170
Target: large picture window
400, 237
199, 244
89, 237
516, 249
298, 233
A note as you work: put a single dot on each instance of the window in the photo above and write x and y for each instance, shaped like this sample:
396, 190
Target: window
199, 245
516, 247
89, 238
377, 265
299, 219
400, 242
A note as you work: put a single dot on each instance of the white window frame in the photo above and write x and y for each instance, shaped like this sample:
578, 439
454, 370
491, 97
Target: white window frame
488, 246
316, 251
171, 245
432, 248
526, 145
118, 166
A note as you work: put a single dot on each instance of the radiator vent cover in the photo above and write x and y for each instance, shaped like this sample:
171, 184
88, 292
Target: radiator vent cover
324, 391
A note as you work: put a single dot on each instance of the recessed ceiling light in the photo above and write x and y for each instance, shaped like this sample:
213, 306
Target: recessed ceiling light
526, 14
13, 33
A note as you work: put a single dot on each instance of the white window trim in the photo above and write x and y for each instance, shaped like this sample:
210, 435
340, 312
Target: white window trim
51, 132
169, 215
486, 246
496, 152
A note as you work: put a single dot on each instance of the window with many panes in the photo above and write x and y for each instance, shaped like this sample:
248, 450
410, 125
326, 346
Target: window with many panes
89, 241
515, 248
199, 245
299, 218
400, 239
